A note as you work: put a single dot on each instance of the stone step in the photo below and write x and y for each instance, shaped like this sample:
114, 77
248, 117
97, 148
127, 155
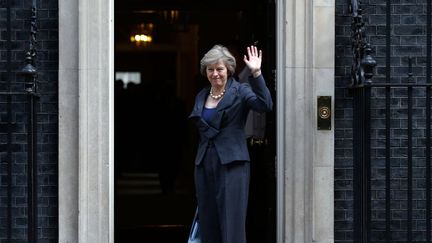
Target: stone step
138, 183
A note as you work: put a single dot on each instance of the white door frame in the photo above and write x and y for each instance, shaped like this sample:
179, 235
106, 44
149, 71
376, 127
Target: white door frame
305, 70
305, 155
86, 98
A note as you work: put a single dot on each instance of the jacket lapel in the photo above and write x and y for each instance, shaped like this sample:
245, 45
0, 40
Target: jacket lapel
229, 96
199, 106
227, 100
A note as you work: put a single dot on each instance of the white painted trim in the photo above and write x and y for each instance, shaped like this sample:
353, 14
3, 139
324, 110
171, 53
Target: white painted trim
68, 121
111, 77
280, 120
86, 98
305, 155
96, 84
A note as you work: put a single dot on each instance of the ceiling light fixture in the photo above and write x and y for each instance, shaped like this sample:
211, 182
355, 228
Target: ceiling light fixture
142, 35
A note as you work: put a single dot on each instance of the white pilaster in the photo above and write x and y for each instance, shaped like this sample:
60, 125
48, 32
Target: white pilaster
68, 121
305, 154
323, 75
96, 82
86, 175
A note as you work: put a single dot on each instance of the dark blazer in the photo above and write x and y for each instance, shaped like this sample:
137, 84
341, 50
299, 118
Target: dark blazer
226, 128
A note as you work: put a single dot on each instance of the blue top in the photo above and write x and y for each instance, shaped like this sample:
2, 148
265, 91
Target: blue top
225, 128
207, 113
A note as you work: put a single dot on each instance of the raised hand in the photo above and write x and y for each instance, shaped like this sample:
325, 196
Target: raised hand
253, 60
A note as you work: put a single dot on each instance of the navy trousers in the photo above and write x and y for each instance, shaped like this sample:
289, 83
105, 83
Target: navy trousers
222, 193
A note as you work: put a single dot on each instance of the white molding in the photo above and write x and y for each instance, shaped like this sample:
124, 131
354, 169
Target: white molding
305, 155
86, 68
96, 55
280, 117
68, 121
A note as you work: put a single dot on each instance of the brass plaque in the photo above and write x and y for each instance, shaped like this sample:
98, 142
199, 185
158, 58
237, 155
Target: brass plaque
324, 113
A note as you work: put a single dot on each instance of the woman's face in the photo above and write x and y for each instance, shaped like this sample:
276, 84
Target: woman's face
217, 74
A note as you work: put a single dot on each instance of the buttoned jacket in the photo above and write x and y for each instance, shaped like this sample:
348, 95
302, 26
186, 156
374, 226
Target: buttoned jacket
225, 129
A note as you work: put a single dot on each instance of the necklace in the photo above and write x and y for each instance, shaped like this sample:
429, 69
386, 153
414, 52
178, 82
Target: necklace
216, 97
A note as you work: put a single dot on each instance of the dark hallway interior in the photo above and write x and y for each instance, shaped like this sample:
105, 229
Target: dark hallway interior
158, 45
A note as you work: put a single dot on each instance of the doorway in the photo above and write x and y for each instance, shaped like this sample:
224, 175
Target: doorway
158, 46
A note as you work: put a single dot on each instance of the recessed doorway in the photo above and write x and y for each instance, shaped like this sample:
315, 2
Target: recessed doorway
158, 46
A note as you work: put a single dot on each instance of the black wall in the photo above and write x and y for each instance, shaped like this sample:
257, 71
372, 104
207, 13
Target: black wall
15, 23
408, 39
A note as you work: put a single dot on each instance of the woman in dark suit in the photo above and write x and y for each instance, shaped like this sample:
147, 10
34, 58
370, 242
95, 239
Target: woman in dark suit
222, 159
